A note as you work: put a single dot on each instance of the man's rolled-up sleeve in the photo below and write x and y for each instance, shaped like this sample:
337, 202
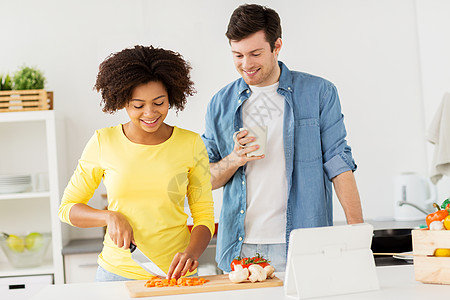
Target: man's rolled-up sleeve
208, 137
337, 154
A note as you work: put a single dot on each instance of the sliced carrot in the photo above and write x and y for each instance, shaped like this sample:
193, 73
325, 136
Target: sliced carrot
182, 281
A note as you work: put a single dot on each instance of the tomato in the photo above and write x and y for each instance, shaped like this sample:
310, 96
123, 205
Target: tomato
236, 261
247, 261
256, 259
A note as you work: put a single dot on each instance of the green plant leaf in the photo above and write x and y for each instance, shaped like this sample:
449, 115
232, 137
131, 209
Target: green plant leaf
28, 78
7, 83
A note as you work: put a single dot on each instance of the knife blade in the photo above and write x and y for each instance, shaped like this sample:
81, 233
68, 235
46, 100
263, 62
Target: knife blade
146, 263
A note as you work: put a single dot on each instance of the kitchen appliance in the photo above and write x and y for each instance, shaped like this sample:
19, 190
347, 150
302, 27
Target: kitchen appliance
413, 197
141, 259
392, 240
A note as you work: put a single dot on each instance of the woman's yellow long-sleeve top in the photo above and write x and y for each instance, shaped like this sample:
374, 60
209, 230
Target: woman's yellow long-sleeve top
148, 185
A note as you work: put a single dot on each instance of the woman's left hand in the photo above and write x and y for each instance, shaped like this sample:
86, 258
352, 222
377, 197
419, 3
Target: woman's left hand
182, 263
186, 261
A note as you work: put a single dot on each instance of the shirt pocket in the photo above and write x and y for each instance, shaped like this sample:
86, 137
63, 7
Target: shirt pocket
307, 140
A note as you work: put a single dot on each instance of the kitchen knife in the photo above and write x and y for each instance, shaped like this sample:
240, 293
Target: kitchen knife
145, 262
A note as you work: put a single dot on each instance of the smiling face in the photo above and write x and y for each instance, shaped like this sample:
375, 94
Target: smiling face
255, 62
147, 110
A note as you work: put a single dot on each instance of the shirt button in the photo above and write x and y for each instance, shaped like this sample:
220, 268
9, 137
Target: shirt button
240, 238
242, 211
289, 88
243, 182
239, 101
248, 91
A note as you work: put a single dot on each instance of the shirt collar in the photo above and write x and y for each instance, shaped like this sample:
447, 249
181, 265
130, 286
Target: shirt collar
285, 78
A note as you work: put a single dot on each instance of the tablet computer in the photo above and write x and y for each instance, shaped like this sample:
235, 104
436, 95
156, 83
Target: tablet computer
332, 260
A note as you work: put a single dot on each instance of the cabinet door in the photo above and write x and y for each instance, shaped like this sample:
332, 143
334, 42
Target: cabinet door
80, 267
23, 287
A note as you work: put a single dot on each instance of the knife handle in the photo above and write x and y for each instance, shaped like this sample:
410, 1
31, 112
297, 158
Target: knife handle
132, 247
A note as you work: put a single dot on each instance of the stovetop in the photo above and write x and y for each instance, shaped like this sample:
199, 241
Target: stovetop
390, 261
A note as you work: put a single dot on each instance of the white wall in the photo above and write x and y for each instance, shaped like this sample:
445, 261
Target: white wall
369, 49
434, 28
372, 57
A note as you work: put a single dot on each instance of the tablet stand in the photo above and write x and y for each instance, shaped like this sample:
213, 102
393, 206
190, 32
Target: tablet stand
329, 261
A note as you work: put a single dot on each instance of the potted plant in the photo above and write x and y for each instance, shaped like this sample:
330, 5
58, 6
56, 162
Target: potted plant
5, 82
27, 78
24, 91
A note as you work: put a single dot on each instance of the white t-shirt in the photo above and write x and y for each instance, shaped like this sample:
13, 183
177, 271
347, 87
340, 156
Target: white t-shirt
265, 219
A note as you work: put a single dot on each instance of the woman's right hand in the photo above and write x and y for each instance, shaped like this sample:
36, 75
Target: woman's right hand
119, 230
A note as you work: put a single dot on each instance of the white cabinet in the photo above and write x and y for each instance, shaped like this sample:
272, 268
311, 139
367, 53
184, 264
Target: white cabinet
23, 287
80, 267
28, 144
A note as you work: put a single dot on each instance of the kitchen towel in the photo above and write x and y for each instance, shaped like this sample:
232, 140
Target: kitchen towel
439, 135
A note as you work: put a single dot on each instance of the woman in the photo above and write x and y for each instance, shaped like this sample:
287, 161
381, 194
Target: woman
147, 167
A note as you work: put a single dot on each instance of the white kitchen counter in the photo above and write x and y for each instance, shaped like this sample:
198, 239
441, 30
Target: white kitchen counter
389, 223
397, 282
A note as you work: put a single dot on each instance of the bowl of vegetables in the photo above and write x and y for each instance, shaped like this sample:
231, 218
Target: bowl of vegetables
25, 251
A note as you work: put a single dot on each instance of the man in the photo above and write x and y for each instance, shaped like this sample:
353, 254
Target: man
266, 197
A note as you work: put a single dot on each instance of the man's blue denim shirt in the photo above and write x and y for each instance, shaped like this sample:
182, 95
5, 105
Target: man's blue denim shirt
315, 152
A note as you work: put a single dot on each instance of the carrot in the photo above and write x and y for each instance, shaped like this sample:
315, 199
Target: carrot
184, 281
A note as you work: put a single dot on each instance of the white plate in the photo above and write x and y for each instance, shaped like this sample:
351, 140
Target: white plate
14, 188
13, 176
406, 257
8, 179
14, 182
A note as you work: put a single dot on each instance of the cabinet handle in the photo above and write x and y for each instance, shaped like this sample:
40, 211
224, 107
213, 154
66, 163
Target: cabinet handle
16, 286
87, 265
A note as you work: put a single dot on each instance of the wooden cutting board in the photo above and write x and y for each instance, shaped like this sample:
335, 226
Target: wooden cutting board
216, 283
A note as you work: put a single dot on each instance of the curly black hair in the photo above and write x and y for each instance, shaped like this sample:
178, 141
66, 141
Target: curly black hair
121, 72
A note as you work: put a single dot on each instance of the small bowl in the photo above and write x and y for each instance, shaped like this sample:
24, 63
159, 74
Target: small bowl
25, 251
